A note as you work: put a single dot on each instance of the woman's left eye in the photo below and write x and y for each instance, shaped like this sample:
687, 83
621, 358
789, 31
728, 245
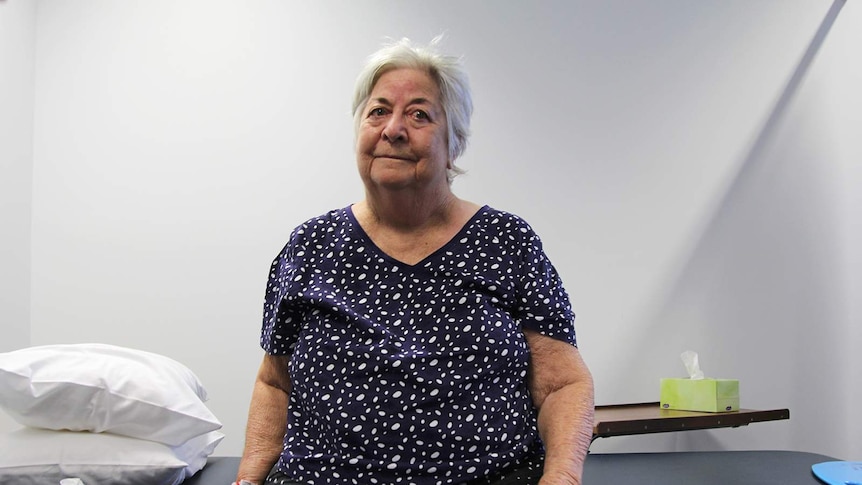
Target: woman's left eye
421, 115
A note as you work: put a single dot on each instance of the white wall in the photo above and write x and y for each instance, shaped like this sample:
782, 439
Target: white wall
689, 198
17, 42
770, 288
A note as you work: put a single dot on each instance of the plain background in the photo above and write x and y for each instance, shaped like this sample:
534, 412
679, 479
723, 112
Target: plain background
692, 167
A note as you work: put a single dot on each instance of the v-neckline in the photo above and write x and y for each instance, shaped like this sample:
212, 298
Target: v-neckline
459, 235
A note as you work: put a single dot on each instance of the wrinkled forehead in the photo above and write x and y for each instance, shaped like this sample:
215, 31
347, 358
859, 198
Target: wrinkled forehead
409, 81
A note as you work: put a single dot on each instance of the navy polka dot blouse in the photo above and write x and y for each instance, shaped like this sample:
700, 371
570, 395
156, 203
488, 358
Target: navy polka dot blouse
412, 374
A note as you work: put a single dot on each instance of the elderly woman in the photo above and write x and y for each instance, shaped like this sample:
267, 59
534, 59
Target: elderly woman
415, 337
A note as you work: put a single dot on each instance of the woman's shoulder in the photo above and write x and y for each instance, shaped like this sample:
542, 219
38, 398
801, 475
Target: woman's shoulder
327, 222
504, 220
331, 224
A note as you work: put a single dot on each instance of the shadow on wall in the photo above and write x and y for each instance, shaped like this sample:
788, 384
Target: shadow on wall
762, 281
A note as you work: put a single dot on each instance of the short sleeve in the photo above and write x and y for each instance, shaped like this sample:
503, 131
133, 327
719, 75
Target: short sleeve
543, 305
282, 311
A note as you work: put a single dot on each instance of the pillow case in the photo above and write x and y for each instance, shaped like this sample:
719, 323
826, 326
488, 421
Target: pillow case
39, 456
196, 450
100, 387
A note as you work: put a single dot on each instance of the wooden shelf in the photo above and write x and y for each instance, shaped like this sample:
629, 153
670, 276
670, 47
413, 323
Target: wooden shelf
643, 418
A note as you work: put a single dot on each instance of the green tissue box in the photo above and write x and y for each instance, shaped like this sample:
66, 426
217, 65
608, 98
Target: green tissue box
710, 395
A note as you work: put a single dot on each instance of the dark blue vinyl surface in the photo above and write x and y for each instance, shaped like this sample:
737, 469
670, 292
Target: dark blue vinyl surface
690, 468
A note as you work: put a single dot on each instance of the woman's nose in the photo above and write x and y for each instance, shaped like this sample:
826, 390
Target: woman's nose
395, 129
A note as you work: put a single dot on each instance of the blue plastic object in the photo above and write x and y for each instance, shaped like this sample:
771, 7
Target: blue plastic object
839, 472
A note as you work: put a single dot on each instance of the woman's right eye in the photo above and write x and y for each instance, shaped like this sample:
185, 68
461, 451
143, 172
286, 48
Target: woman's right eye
376, 112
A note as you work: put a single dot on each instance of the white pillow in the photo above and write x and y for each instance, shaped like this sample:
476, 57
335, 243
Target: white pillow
196, 450
99, 387
39, 456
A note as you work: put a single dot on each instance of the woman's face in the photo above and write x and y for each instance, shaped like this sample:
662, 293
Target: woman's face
401, 142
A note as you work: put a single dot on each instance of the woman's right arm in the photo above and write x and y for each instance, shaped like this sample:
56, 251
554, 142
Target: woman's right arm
267, 420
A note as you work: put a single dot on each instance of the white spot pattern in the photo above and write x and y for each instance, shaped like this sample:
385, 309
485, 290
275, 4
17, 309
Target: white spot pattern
410, 374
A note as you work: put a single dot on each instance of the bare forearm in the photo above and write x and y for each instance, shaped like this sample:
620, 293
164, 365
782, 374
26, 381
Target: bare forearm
566, 427
267, 420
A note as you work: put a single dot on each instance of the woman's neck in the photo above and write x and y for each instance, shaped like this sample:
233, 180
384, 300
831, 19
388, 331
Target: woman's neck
409, 230
406, 211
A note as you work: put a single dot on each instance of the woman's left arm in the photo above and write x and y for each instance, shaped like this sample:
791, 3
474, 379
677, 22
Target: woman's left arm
562, 390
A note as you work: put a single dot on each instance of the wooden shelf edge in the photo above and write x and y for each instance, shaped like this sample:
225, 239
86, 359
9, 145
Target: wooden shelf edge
645, 418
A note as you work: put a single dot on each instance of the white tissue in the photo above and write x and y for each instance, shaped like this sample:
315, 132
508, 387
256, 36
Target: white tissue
71, 481
689, 358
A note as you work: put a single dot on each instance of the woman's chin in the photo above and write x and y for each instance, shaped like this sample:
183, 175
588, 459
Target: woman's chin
394, 179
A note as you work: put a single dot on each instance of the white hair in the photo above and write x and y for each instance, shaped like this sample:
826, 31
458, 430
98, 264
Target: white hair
446, 71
